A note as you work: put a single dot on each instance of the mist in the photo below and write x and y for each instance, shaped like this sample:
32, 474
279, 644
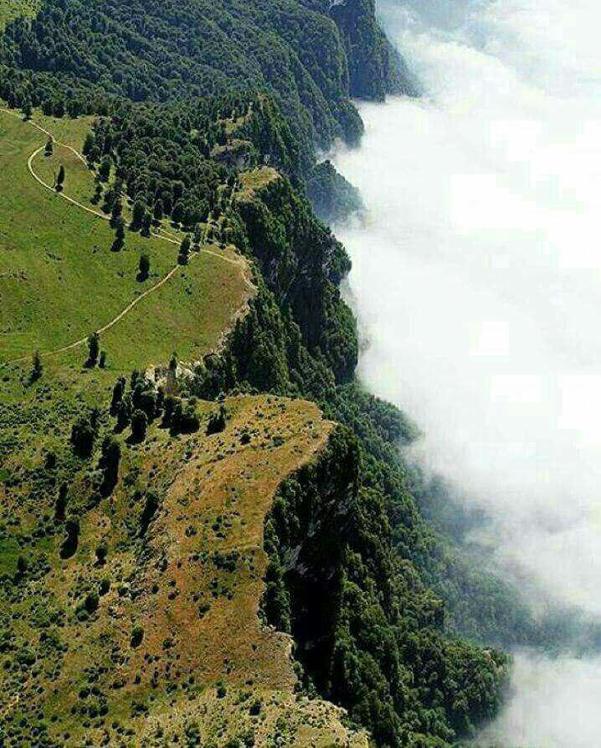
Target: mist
477, 284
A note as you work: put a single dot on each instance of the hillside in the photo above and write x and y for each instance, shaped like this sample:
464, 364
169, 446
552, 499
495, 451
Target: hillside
164, 51
185, 581
207, 534
65, 253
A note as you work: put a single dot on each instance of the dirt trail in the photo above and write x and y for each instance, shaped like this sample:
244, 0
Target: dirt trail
164, 237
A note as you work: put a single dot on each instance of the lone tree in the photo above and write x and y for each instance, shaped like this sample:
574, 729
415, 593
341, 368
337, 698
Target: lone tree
143, 267
93, 349
184, 251
49, 149
118, 392
151, 505
71, 540
37, 367
60, 178
26, 109
217, 421
60, 504
119, 241
22, 566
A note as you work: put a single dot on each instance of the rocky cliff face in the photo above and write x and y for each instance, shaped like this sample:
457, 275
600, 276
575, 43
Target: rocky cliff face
375, 67
368, 634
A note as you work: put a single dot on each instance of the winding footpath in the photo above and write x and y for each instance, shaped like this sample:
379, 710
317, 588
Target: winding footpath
165, 236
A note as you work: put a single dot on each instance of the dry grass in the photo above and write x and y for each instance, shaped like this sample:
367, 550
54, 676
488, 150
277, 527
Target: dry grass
193, 585
255, 180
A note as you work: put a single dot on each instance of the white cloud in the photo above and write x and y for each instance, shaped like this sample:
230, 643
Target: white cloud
477, 280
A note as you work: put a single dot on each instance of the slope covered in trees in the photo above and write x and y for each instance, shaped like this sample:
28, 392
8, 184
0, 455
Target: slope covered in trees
161, 51
205, 119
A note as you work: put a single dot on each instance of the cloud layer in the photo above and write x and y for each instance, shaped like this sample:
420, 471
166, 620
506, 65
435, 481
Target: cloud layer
477, 282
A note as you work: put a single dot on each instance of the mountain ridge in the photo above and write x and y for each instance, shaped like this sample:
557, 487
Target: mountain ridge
100, 447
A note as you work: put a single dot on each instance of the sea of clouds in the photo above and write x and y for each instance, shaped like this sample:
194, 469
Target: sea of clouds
477, 283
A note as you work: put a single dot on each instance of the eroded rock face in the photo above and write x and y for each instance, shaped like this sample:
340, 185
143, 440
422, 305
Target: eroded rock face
375, 68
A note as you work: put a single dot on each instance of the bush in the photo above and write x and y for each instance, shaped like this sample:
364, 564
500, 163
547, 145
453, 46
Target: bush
137, 635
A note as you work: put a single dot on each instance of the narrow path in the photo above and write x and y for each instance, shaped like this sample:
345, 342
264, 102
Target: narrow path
167, 238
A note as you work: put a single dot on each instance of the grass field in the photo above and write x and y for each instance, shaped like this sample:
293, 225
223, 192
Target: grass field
256, 179
59, 279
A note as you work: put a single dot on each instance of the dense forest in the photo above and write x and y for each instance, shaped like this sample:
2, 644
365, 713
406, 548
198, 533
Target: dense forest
188, 98
157, 51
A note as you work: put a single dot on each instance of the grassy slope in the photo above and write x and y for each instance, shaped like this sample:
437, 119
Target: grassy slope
254, 180
59, 280
80, 184
193, 584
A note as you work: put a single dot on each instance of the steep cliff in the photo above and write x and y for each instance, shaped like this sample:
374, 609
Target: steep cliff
368, 633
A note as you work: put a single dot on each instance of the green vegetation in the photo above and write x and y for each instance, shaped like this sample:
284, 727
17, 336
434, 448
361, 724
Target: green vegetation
60, 279
11, 9
132, 568
339, 537
151, 500
386, 550
332, 197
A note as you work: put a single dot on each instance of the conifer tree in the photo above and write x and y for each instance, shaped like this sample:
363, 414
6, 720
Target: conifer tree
89, 144
118, 392
37, 367
26, 109
116, 212
104, 170
60, 178
184, 251
109, 464
139, 424
143, 267
119, 235
146, 224
93, 349
197, 237
138, 213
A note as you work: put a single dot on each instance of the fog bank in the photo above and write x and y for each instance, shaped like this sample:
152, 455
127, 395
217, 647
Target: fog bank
477, 284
